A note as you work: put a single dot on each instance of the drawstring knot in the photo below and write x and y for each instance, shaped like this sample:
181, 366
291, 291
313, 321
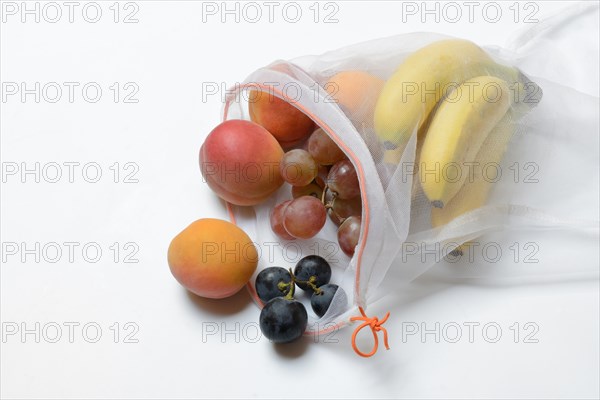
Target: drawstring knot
376, 325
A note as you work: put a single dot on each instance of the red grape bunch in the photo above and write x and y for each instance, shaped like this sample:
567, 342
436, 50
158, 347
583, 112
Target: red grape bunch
324, 182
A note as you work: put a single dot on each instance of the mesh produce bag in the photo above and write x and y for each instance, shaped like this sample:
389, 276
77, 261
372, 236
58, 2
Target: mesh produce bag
434, 127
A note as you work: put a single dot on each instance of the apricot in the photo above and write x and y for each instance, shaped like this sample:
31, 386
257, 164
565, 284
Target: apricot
288, 124
212, 258
355, 91
240, 162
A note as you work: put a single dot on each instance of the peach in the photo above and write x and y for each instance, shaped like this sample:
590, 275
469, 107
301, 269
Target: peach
240, 162
212, 258
288, 124
355, 91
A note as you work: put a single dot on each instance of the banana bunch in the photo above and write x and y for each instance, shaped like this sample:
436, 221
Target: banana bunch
461, 104
477, 187
456, 134
422, 80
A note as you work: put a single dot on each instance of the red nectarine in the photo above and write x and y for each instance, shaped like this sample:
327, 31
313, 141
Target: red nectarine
240, 162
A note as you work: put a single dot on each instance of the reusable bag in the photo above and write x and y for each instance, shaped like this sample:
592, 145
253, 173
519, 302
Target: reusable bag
540, 126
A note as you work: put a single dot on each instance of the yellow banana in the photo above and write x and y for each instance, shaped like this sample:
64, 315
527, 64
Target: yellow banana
476, 189
422, 80
458, 129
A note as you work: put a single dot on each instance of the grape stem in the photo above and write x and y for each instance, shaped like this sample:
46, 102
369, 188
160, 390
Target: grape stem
292, 285
325, 189
290, 294
329, 205
310, 283
283, 286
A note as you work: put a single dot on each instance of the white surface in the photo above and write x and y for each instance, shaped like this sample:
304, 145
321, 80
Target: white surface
169, 54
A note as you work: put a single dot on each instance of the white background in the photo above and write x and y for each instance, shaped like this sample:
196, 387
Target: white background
168, 54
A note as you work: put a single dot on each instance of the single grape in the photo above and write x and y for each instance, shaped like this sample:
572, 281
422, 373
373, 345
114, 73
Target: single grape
304, 217
276, 220
282, 320
298, 168
312, 189
342, 179
321, 301
323, 149
344, 208
268, 281
312, 266
348, 234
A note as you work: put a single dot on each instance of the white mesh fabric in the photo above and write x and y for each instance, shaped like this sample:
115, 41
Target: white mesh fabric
559, 137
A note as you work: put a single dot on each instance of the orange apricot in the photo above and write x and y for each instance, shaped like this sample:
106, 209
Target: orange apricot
212, 258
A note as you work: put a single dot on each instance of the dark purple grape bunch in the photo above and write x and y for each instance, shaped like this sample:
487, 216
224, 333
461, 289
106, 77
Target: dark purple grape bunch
283, 319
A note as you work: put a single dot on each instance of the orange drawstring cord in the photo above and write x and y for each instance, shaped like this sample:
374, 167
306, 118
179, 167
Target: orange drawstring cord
375, 325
